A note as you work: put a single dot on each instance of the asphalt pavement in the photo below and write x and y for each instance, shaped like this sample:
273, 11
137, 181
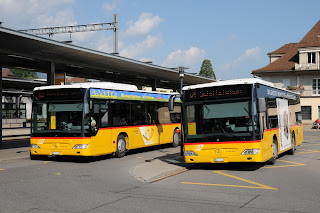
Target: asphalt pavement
155, 169
138, 183
150, 171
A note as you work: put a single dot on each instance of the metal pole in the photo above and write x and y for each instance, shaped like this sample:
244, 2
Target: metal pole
115, 33
1, 104
50, 74
154, 85
181, 75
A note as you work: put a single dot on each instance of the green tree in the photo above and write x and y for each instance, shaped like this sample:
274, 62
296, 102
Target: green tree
22, 74
207, 70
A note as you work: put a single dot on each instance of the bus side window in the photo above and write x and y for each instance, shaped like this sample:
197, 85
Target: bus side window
138, 113
163, 113
151, 113
263, 125
298, 118
100, 114
104, 112
273, 121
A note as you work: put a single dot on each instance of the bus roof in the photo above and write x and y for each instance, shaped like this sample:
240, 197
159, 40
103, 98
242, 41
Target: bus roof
231, 82
99, 85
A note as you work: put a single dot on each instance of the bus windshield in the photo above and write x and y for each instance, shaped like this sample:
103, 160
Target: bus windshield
57, 118
227, 119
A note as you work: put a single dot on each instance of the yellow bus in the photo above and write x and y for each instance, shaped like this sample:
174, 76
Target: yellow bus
92, 119
243, 120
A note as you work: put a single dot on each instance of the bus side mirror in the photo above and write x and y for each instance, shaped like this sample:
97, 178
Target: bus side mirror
171, 102
262, 105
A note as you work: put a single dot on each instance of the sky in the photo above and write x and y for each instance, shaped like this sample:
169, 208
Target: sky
234, 35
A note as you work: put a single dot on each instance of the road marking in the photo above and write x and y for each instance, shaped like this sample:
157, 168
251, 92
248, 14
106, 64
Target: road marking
311, 137
2, 169
58, 173
307, 151
170, 174
293, 164
311, 144
258, 185
47, 161
139, 157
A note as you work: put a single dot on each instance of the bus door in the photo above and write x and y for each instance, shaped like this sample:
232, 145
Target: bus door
145, 132
120, 117
99, 121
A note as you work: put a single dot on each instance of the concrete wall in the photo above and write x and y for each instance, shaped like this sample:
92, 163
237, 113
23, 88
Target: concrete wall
279, 79
314, 103
272, 59
303, 60
306, 80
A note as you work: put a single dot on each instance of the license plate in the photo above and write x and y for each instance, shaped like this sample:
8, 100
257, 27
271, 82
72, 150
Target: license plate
55, 153
218, 159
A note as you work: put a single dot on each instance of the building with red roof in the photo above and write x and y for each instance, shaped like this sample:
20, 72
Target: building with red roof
296, 66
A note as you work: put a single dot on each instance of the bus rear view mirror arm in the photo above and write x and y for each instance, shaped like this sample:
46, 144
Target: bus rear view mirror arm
171, 103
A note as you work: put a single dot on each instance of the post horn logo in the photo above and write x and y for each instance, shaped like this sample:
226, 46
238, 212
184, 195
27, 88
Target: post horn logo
41, 94
148, 134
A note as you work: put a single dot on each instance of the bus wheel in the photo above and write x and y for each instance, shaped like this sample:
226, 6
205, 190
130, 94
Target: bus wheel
176, 138
272, 161
121, 146
293, 149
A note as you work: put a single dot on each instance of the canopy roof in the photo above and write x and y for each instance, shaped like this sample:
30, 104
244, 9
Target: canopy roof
34, 53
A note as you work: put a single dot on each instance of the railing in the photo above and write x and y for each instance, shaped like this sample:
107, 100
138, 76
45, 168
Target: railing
13, 136
306, 67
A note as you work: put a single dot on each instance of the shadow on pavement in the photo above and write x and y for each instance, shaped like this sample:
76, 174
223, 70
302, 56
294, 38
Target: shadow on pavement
82, 159
73, 159
10, 144
178, 160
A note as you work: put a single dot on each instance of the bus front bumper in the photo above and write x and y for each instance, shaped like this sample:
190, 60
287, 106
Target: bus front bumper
72, 152
61, 146
223, 153
222, 159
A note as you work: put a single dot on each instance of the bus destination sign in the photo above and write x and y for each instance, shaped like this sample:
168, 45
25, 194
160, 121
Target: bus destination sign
207, 93
58, 94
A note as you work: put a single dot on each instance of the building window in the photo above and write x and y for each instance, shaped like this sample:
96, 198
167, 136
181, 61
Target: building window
316, 86
286, 83
311, 58
306, 112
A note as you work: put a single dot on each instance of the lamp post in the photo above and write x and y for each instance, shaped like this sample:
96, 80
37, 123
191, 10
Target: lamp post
181, 75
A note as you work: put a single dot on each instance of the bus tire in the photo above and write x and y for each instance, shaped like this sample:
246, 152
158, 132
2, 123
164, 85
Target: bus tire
293, 143
272, 161
121, 146
176, 139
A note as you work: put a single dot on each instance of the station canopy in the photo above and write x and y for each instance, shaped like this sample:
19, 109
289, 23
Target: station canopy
37, 54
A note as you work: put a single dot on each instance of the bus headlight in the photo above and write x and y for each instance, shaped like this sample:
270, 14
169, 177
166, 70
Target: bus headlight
81, 146
251, 152
190, 153
35, 146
